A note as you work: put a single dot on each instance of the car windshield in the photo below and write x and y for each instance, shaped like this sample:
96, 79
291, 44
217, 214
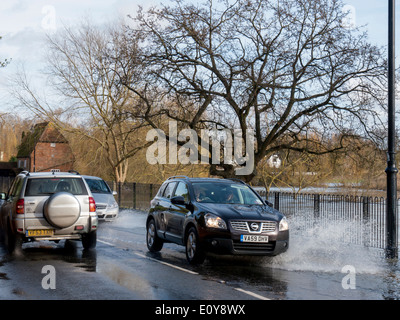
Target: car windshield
97, 186
211, 192
47, 186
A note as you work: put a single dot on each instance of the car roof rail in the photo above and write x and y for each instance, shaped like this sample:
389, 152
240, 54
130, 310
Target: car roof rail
73, 171
238, 180
25, 172
178, 177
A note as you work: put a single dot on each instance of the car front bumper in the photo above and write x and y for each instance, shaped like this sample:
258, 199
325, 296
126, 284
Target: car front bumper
230, 243
109, 214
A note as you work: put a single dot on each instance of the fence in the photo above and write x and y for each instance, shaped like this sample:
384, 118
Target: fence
134, 195
5, 183
350, 219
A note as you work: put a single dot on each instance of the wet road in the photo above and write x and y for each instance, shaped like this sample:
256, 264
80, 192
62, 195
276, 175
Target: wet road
121, 268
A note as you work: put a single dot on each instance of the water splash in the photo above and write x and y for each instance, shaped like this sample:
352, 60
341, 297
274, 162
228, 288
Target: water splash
326, 249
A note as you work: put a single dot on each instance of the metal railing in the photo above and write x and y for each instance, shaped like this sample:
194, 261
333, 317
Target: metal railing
353, 219
132, 195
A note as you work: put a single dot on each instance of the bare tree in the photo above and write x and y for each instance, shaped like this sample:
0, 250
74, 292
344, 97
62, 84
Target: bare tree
288, 69
95, 104
12, 128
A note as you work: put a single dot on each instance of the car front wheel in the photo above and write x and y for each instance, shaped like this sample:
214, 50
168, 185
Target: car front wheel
194, 252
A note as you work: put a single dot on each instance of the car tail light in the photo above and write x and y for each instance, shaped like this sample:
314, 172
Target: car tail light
92, 205
20, 207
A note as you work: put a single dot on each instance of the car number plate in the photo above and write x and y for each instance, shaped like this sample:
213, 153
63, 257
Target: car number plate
39, 232
250, 238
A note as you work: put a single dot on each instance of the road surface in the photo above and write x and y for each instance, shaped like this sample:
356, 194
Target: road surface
121, 268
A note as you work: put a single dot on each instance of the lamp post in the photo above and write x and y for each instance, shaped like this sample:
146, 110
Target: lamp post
391, 170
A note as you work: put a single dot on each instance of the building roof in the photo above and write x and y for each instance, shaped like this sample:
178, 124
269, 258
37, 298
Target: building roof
45, 132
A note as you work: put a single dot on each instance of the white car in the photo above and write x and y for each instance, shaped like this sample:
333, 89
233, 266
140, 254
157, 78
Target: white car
48, 206
106, 207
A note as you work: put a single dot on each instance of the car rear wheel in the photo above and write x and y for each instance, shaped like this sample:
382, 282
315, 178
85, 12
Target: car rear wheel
12, 241
194, 252
154, 243
89, 240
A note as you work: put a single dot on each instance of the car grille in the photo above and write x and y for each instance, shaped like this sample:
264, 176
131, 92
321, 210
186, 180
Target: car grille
101, 206
253, 247
244, 226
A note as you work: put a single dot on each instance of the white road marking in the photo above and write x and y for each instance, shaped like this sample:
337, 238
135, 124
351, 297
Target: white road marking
105, 242
255, 295
166, 263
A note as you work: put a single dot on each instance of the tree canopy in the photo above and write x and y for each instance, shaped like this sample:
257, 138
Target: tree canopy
290, 70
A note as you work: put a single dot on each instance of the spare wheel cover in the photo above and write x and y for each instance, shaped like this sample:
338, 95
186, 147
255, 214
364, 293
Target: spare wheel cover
62, 209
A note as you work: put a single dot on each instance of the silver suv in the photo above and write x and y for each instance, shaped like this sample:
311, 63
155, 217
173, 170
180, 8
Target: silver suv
48, 206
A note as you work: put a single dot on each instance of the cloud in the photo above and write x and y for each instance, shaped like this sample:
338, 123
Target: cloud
24, 44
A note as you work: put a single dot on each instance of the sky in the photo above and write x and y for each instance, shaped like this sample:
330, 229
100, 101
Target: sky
25, 23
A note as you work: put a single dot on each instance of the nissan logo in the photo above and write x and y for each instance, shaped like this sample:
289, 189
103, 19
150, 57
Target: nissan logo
254, 226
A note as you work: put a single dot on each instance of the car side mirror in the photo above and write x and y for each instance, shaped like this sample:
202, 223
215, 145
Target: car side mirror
178, 200
3, 196
269, 204
114, 193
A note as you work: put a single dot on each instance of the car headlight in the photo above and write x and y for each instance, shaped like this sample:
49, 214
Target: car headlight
113, 205
213, 221
283, 225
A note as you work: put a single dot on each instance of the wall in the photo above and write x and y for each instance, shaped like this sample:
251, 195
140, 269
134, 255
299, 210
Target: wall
52, 156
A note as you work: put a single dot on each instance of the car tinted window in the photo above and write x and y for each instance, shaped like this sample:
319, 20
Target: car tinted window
161, 190
169, 189
182, 190
211, 192
48, 186
16, 187
12, 188
98, 186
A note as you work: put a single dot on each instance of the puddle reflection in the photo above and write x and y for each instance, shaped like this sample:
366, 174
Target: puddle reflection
68, 251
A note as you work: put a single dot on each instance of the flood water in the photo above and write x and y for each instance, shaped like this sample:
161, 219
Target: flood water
355, 271
319, 264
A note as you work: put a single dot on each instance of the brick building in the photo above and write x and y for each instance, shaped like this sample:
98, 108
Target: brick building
45, 149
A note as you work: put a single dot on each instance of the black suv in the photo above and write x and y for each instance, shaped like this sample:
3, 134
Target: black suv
214, 215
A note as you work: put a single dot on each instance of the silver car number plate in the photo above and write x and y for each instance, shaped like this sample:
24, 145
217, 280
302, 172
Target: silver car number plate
250, 238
